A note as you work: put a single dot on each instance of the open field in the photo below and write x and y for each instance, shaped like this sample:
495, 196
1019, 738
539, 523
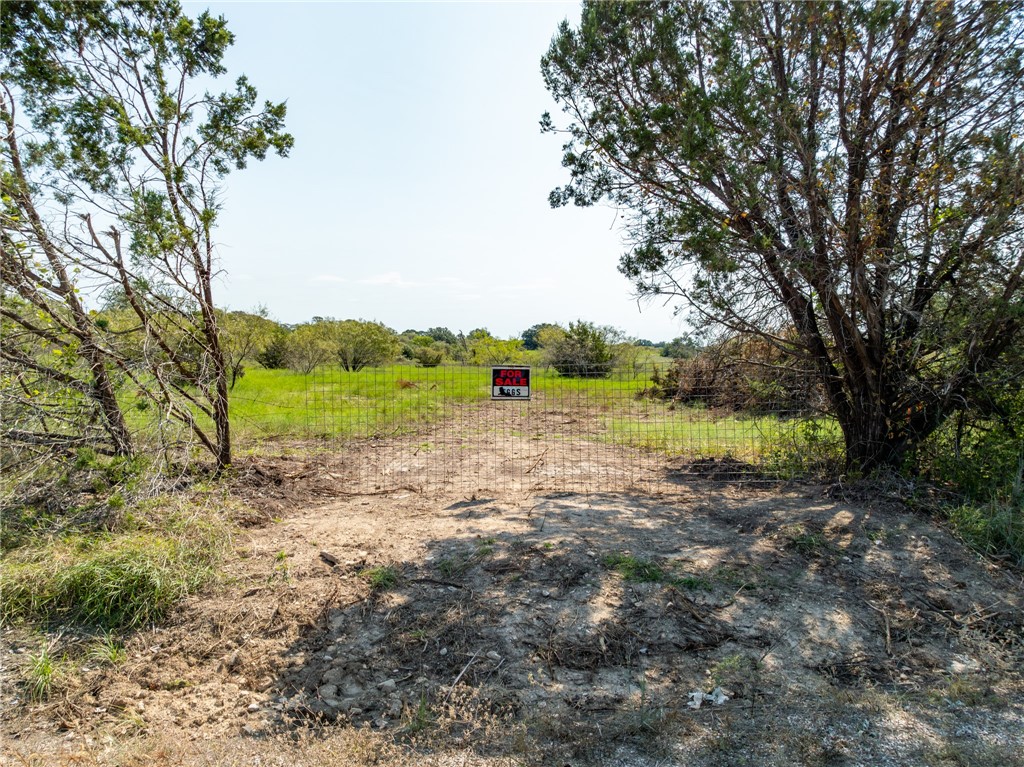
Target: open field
336, 407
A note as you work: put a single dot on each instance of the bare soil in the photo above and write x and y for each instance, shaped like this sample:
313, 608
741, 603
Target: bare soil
419, 624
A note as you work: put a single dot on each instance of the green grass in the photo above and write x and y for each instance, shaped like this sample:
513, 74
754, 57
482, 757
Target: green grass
114, 581
42, 674
380, 578
333, 404
995, 528
640, 570
635, 569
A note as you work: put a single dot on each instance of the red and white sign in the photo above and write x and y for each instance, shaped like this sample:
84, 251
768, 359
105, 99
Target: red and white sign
510, 383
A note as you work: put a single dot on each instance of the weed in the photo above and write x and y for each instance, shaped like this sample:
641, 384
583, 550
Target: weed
421, 718
995, 528
693, 583
380, 578
282, 569
107, 650
804, 541
635, 569
733, 669
458, 564
961, 689
42, 674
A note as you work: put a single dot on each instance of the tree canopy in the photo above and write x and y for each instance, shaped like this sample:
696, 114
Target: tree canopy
851, 172
112, 175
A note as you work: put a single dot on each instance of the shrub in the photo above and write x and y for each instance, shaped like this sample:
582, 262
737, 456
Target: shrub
274, 356
361, 344
585, 350
740, 373
429, 356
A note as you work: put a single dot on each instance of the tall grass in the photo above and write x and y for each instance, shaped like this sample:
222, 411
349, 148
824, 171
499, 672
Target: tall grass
118, 580
995, 526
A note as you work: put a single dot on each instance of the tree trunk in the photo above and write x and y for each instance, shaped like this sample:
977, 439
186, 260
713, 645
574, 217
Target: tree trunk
107, 399
873, 439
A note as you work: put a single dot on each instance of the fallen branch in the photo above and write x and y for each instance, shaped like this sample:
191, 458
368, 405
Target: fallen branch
464, 669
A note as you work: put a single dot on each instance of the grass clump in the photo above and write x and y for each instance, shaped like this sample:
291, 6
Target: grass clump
108, 650
381, 578
635, 569
42, 674
642, 570
459, 563
110, 580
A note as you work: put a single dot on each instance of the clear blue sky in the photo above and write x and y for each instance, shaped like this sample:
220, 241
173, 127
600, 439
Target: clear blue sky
416, 193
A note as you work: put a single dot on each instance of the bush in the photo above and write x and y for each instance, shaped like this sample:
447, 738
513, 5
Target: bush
429, 356
274, 356
361, 344
585, 350
746, 374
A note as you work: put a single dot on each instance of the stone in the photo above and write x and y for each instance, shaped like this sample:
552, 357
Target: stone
334, 676
351, 689
388, 685
327, 690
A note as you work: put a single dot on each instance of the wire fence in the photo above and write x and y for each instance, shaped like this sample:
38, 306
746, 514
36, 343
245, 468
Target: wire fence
439, 429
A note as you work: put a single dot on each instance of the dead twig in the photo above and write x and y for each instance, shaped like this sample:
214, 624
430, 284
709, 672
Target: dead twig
538, 462
451, 689
888, 630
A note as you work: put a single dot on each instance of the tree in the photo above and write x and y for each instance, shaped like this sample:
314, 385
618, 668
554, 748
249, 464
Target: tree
444, 335
119, 184
246, 336
585, 350
485, 349
531, 336
361, 344
309, 346
682, 347
852, 172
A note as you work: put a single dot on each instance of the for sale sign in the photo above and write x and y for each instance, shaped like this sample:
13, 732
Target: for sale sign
510, 383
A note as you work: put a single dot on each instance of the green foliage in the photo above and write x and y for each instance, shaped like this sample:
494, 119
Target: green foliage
683, 347
107, 650
429, 356
274, 354
381, 578
361, 344
442, 335
245, 336
994, 527
789, 164
42, 674
121, 136
635, 569
531, 336
308, 346
484, 349
585, 350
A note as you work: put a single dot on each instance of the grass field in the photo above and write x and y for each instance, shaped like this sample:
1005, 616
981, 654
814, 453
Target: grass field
332, 404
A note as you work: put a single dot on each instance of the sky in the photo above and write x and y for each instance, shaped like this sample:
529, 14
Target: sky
416, 193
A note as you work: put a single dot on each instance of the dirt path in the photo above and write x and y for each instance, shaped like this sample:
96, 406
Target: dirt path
556, 628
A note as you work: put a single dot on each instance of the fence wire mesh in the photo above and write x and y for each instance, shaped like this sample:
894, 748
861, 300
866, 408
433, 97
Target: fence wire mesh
438, 430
